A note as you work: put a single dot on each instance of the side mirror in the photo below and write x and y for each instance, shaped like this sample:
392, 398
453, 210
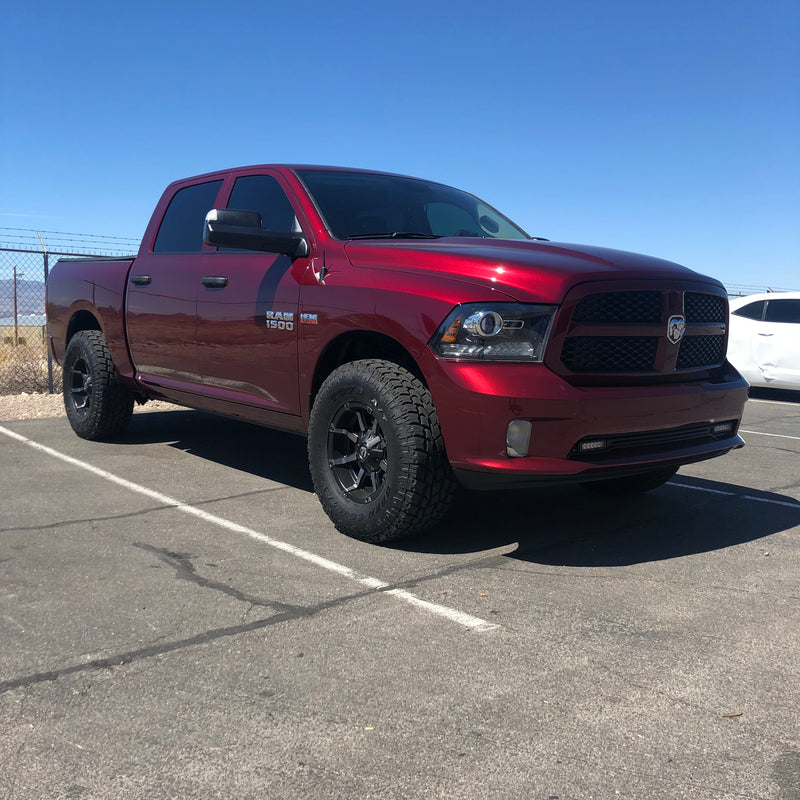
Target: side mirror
226, 227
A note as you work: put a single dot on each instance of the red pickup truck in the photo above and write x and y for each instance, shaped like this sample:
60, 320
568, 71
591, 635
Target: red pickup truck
418, 337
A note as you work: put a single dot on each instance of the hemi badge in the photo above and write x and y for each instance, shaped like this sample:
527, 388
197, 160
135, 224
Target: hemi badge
308, 319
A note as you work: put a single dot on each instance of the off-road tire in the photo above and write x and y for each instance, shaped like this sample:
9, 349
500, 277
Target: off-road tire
632, 484
376, 452
98, 405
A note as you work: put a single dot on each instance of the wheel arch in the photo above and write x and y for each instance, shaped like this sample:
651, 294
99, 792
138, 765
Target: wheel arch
81, 320
358, 345
107, 321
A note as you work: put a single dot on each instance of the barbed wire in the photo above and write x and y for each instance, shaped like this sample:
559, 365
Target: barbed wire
737, 290
38, 240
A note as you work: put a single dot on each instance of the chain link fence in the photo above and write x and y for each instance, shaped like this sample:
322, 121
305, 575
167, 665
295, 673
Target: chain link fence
26, 258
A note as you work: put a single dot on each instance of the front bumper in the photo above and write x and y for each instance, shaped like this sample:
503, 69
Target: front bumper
476, 401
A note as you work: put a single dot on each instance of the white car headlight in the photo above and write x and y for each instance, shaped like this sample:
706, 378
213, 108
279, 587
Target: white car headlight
494, 332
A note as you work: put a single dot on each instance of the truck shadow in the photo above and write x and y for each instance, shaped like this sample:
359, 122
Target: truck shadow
271, 454
561, 525
568, 526
781, 395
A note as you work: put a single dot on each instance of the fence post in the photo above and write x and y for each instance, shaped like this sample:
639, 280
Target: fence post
46, 263
46, 259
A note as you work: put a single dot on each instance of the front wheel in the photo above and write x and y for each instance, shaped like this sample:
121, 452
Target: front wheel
632, 484
97, 405
376, 452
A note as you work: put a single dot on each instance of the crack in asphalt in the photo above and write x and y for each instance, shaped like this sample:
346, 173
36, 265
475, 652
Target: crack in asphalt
771, 447
130, 656
185, 570
85, 521
284, 612
485, 562
141, 512
787, 487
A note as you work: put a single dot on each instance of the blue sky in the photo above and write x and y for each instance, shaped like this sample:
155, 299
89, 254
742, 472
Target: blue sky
666, 128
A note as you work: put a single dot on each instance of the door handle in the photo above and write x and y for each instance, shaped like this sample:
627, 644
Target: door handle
214, 281
140, 280
766, 334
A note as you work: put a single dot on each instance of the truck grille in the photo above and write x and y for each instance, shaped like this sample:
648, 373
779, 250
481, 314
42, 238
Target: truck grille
701, 351
609, 353
704, 307
619, 307
625, 333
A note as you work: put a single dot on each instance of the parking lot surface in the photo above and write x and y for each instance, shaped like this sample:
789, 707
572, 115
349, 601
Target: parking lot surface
179, 619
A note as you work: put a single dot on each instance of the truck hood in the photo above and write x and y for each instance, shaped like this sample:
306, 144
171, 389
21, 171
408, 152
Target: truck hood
529, 271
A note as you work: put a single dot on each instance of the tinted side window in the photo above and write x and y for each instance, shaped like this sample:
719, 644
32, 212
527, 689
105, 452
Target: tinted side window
752, 310
783, 311
181, 229
264, 194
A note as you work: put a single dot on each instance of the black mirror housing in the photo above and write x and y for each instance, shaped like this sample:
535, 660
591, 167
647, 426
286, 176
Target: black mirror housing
227, 227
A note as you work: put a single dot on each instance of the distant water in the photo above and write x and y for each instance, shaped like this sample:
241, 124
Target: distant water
24, 320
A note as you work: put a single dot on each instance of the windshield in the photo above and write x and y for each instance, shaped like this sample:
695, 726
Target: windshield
362, 205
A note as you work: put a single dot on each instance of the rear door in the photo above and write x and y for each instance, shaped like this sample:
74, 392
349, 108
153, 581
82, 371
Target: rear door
247, 322
161, 300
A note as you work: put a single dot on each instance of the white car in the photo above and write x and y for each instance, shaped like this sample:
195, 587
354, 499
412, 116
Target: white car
764, 341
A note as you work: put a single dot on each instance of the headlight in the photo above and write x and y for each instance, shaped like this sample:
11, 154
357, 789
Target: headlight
494, 332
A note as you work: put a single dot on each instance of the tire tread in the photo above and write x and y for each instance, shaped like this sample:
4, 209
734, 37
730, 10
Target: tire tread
111, 404
425, 486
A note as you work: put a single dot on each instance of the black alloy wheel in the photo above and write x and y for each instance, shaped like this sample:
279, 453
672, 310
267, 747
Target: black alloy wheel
357, 452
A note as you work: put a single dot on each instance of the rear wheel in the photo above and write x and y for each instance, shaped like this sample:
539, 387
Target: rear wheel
376, 452
632, 484
97, 405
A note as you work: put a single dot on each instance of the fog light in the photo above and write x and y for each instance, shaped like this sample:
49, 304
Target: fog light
518, 437
722, 428
592, 445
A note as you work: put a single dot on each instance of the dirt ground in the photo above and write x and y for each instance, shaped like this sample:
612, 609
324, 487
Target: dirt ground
33, 406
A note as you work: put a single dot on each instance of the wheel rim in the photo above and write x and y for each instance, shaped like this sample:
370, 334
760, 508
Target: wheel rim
357, 453
80, 383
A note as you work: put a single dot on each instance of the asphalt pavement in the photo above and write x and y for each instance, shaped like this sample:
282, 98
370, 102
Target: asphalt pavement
179, 619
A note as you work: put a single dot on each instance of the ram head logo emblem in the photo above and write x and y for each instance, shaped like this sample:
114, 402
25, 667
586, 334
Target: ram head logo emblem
676, 326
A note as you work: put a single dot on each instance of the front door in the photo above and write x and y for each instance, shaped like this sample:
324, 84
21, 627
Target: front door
247, 309
776, 342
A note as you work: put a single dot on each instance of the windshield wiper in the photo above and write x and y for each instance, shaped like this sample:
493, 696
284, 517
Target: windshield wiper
395, 235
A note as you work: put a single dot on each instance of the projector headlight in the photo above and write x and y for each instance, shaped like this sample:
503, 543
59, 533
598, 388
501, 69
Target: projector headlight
494, 332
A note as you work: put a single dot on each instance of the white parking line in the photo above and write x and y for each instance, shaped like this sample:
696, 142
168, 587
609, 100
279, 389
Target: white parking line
740, 496
771, 402
776, 435
459, 617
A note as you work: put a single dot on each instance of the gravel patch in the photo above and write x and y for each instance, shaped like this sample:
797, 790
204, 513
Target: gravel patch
33, 406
